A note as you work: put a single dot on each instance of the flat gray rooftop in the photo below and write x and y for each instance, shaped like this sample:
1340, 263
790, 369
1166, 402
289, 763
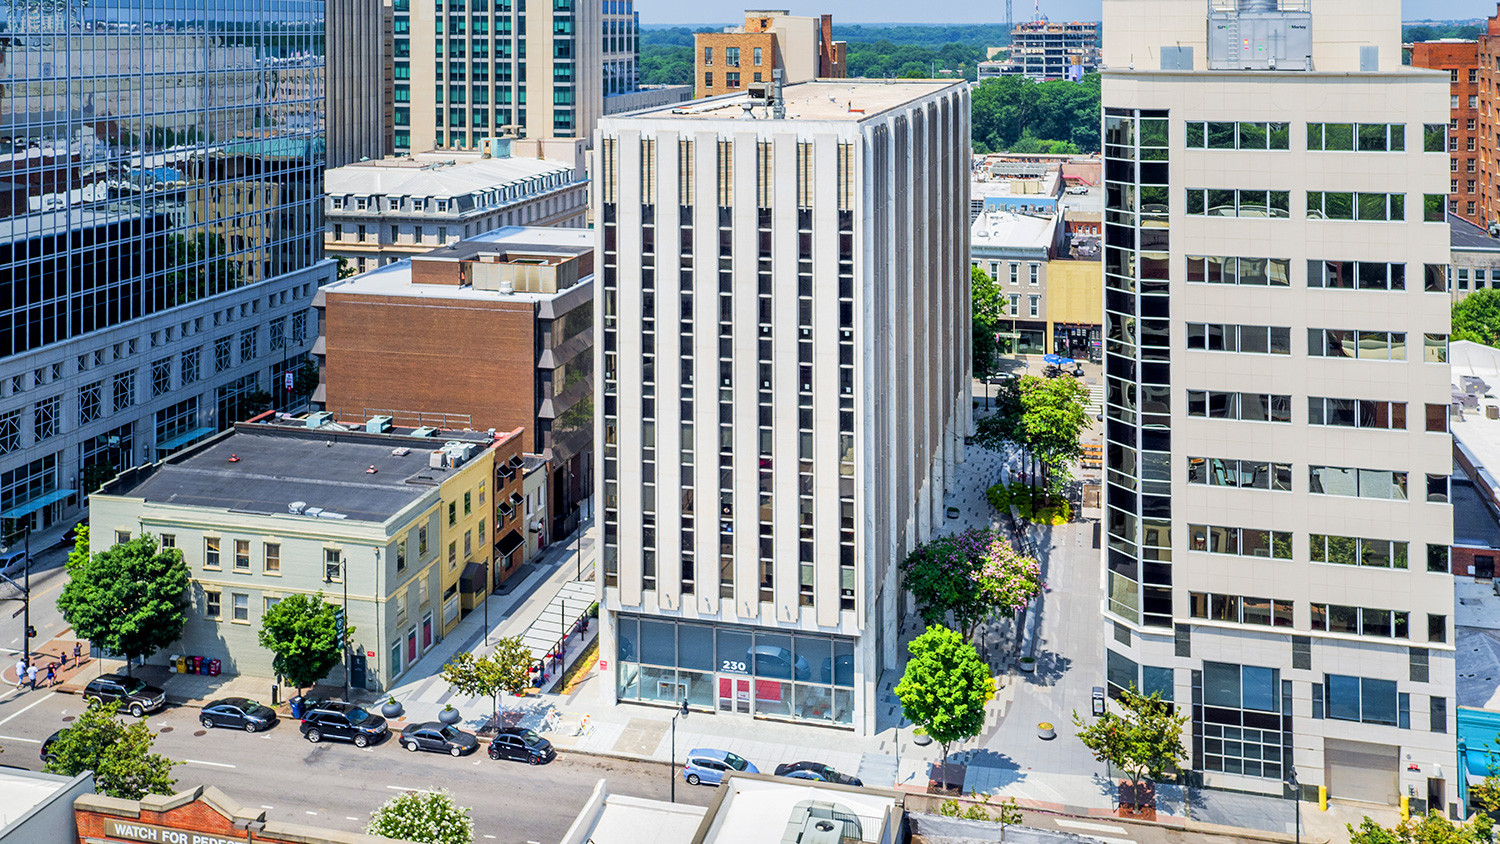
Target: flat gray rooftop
1464, 236
850, 100
276, 467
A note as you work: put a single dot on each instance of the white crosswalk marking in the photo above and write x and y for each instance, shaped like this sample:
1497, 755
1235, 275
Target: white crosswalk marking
1091, 827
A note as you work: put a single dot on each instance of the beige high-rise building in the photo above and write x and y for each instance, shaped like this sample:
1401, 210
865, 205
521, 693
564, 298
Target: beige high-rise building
783, 391
359, 81
469, 70
1276, 340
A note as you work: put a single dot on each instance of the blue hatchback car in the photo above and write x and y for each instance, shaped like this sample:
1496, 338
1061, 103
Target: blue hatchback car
705, 765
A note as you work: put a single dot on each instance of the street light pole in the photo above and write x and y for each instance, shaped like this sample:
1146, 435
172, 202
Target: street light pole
672, 768
1296, 800
26, 602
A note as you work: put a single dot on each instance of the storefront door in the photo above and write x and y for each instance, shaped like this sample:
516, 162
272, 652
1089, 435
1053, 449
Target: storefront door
734, 694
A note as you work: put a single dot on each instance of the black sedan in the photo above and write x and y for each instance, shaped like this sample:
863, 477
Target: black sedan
237, 713
438, 737
47, 754
815, 771
522, 745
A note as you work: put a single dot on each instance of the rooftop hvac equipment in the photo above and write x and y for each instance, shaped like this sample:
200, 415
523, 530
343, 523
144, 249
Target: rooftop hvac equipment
821, 822
378, 425
424, 431
1259, 35
296, 507
318, 419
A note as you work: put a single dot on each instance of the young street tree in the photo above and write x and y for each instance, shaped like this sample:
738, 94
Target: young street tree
1431, 829
1145, 741
119, 754
426, 817
130, 599
986, 312
506, 669
974, 575
1045, 417
945, 688
301, 632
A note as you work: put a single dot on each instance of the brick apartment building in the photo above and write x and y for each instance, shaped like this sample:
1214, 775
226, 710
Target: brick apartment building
494, 331
802, 47
1460, 59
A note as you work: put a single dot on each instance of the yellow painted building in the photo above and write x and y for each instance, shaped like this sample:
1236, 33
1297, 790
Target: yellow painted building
464, 537
1075, 306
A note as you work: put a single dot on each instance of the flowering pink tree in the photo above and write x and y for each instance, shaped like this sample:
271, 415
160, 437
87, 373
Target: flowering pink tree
975, 575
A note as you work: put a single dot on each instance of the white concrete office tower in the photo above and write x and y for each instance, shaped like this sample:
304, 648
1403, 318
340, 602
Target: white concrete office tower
784, 356
1276, 360
160, 239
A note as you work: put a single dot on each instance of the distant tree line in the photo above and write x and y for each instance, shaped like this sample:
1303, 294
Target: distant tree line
1010, 113
1434, 31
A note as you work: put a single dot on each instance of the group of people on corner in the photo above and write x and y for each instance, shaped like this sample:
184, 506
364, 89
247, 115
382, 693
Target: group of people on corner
27, 671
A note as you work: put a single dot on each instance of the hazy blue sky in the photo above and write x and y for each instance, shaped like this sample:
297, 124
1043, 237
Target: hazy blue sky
968, 11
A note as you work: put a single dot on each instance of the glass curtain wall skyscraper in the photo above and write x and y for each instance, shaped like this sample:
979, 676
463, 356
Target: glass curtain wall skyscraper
160, 241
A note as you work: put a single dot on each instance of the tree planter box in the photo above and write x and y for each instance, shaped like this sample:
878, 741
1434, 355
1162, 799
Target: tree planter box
1137, 801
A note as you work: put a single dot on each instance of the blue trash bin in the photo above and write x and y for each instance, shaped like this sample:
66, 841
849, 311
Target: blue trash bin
297, 702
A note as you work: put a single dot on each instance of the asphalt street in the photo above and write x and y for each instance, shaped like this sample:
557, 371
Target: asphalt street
336, 785
48, 575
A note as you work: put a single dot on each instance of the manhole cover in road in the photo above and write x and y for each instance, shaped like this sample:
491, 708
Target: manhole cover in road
165, 730
67, 718
195, 732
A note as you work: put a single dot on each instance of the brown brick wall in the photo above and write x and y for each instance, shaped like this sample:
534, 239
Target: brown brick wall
720, 71
1460, 60
197, 816
1489, 166
432, 355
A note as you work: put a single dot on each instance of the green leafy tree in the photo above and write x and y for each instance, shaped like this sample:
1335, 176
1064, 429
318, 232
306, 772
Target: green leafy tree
130, 599
505, 669
346, 268
1045, 417
119, 754
306, 379
986, 312
426, 817
301, 632
1432, 828
1477, 317
1144, 740
974, 575
945, 688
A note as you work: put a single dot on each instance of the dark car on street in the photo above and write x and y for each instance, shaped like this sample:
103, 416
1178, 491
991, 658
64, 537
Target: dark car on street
439, 738
47, 754
344, 722
522, 745
131, 693
238, 713
815, 771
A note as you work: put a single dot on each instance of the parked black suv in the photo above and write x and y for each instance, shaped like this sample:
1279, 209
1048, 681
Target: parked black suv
342, 721
133, 695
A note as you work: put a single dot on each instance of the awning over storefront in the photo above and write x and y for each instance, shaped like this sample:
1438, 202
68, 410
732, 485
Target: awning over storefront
182, 439
509, 542
22, 510
473, 578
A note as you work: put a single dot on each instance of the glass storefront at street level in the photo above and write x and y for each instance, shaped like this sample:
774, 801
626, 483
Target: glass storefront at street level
793, 676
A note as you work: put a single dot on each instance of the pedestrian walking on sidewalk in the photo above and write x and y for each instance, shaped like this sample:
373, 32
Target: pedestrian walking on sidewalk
52, 675
20, 672
31, 676
77, 651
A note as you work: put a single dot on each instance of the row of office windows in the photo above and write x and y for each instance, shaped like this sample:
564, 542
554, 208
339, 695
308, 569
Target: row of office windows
1322, 480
